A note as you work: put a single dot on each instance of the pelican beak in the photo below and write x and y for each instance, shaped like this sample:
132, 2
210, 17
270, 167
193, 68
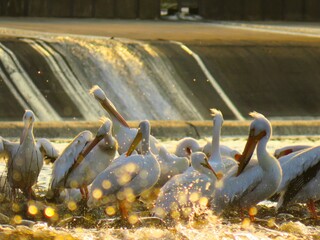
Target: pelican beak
249, 149
283, 153
87, 149
207, 165
105, 103
134, 143
25, 131
237, 157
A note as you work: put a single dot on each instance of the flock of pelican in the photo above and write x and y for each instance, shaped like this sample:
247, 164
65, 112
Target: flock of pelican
120, 165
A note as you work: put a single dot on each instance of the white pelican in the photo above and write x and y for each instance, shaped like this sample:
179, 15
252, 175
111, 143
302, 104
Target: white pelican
301, 179
82, 161
280, 152
25, 160
121, 130
225, 151
193, 182
127, 177
176, 200
186, 146
170, 165
243, 186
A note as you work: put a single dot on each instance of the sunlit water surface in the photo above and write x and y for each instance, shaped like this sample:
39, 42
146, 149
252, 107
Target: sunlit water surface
268, 226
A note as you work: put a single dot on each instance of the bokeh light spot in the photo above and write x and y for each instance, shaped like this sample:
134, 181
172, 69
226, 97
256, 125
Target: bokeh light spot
49, 212
97, 193
32, 209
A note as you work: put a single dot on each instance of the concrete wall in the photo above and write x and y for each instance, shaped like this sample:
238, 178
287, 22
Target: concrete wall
125, 9
104, 9
291, 10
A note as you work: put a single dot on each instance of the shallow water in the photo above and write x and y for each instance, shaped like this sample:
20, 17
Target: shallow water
296, 224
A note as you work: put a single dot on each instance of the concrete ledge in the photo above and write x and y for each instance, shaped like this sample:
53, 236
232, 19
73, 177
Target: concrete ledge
163, 129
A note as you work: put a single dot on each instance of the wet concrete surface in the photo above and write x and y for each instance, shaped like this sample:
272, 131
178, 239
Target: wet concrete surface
274, 73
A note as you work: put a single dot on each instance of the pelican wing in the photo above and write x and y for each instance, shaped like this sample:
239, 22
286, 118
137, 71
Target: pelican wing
47, 149
120, 174
231, 189
289, 149
297, 184
297, 165
8, 150
64, 162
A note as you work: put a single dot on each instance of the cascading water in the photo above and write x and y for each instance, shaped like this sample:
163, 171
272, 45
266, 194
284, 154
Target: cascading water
135, 78
140, 82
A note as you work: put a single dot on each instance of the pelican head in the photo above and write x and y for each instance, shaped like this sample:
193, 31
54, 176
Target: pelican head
259, 128
199, 161
142, 135
104, 129
99, 95
28, 120
217, 117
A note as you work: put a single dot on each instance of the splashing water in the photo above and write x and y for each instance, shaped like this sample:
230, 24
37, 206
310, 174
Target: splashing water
208, 226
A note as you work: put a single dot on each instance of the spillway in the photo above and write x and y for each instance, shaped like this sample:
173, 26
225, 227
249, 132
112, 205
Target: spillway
156, 80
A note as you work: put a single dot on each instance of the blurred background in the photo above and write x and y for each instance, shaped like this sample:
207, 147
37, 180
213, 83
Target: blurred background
160, 60
297, 10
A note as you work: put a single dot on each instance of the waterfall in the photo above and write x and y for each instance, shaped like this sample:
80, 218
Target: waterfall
140, 82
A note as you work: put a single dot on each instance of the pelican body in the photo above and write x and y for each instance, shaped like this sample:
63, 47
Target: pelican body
95, 154
177, 200
301, 179
194, 181
246, 185
25, 160
127, 177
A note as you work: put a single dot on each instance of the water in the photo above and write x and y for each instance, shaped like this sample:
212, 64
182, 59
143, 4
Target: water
136, 75
295, 225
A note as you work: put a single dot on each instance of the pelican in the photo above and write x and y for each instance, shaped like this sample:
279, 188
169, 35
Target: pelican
94, 154
192, 181
122, 132
25, 159
225, 151
243, 186
186, 146
127, 177
177, 202
280, 152
170, 165
301, 179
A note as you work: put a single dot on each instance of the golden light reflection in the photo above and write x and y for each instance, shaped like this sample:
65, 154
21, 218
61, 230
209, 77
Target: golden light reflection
123, 179
133, 219
110, 211
194, 197
160, 212
15, 207
106, 184
245, 223
17, 219
49, 212
97, 193
253, 211
175, 214
32, 209
72, 205
130, 167
203, 201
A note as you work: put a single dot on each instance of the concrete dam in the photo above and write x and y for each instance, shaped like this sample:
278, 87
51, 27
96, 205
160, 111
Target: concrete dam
157, 79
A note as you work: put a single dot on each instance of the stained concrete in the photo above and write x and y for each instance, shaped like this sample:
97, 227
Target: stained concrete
162, 129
